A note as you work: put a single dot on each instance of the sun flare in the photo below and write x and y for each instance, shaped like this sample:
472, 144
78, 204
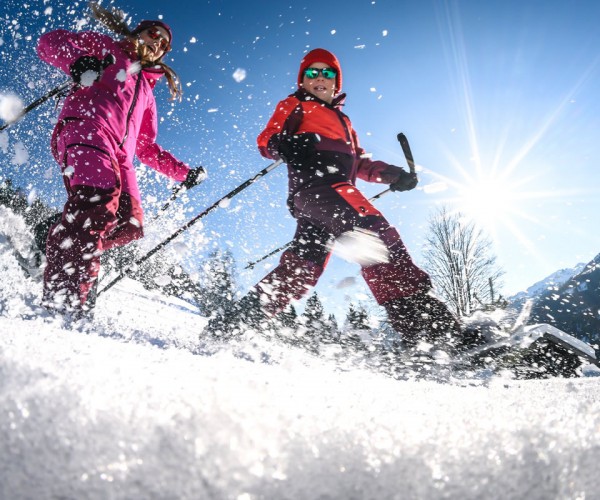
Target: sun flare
487, 199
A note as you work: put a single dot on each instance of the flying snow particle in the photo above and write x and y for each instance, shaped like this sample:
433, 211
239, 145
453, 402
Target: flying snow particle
32, 196
225, 203
48, 11
181, 248
121, 75
333, 32
4, 142
80, 23
361, 246
384, 32
239, 75
193, 39
11, 107
68, 172
88, 78
21, 155
373, 89
135, 67
162, 280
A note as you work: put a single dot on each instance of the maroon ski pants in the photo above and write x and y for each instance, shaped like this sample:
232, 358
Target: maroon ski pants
324, 213
93, 220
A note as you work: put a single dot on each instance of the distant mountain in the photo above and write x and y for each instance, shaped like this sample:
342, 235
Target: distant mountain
552, 282
574, 305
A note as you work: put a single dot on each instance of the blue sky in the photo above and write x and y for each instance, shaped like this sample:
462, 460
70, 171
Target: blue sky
498, 99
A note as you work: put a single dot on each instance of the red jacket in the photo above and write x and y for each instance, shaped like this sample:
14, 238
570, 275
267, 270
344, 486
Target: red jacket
340, 157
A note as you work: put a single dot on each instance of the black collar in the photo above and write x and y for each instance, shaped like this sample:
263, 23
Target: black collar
304, 95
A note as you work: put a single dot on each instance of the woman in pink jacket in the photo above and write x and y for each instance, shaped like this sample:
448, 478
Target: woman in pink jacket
108, 117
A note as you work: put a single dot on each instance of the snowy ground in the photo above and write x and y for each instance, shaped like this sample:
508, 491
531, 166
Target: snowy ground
138, 409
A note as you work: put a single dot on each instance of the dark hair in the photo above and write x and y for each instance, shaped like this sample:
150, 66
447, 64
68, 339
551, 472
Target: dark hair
114, 20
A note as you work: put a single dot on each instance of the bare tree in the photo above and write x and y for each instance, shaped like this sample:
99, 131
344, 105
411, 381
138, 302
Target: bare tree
460, 262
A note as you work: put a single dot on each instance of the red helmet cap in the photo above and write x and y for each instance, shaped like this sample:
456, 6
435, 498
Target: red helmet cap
325, 57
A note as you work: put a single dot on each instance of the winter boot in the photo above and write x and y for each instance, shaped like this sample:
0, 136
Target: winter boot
422, 318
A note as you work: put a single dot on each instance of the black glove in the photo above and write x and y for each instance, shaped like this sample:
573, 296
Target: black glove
194, 177
405, 182
297, 148
90, 63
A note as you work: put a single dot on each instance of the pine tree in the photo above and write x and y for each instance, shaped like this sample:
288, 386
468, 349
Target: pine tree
331, 333
356, 327
314, 322
288, 317
217, 280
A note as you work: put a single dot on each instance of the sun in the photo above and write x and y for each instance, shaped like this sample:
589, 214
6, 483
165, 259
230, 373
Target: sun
487, 199
499, 200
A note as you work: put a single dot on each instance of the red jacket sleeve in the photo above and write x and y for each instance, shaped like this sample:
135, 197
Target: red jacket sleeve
280, 119
373, 171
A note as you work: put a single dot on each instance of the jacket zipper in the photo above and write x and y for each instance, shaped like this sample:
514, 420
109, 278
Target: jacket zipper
131, 108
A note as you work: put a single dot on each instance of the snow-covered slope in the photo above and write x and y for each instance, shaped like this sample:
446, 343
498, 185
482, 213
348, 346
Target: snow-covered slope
137, 407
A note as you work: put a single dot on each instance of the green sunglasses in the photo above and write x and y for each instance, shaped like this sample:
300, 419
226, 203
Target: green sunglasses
312, 73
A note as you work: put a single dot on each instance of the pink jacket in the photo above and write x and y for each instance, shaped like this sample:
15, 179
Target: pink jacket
122, 101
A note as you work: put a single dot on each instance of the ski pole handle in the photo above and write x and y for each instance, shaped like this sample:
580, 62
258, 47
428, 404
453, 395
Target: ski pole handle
407, 152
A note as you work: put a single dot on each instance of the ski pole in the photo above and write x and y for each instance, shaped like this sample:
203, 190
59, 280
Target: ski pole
175, 192
411, 165
191, 222
251, 265
57, 90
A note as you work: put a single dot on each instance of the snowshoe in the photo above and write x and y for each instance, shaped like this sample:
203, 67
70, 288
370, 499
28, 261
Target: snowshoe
533, 352
32, 263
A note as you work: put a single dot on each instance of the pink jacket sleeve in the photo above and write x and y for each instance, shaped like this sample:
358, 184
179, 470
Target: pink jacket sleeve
153, 155
61, 48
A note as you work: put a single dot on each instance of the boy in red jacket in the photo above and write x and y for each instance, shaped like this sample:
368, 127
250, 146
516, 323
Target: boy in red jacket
315, 138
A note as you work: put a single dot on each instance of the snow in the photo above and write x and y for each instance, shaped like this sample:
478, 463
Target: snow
239, 75
11, 107
135, 405
4, 142
21, 155
361, 246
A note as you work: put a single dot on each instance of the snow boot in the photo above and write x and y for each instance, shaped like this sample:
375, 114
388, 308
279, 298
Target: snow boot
422, 318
